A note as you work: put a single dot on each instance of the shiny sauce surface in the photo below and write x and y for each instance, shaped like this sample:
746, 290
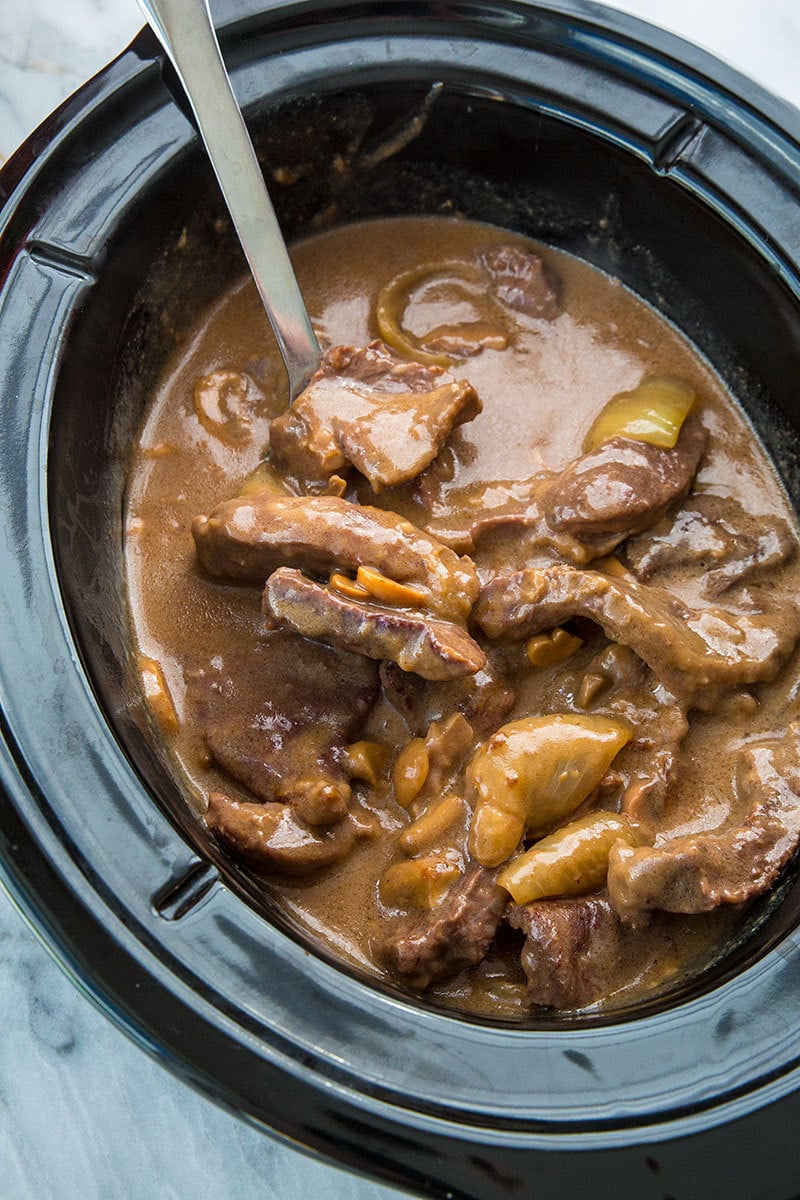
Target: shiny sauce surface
540, 394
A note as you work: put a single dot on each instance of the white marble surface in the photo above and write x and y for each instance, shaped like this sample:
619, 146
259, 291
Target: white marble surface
87, 1115
84, 1114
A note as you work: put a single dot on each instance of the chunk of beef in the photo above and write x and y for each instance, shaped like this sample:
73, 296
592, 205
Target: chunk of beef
467, 516
696, 653
697, 872
572, 950
714, 532
623, 485
448, 742
436, 945
434, 649
627, 688
578, 951
649, 781
249, 537
460, 516
270, 837
368, 409
583, 512
485, 698
521, 280
283, 742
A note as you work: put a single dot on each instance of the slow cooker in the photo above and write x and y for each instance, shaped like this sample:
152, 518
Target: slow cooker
563, 121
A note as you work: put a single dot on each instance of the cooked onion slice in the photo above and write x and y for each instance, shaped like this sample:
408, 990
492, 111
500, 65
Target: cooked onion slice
533, 774
653, 412
440, 346
570, 862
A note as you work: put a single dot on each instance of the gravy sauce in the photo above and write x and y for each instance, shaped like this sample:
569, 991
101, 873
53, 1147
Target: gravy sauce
541, 394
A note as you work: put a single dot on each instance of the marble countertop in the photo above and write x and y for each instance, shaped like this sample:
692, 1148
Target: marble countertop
85, 1114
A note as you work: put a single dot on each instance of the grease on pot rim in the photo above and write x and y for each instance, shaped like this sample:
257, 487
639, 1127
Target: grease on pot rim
481, 658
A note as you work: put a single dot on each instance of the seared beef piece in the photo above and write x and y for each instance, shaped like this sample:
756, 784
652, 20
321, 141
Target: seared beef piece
485, 698
623, 485
697, 872
448, 742
572, 950
648, 785
249, 537
277, 718
713, 531
583, 512
520, 279
696, 653
364, 407
456, 934
577, 951
464, 341
434, 649
511, 509
629, 689
269, 836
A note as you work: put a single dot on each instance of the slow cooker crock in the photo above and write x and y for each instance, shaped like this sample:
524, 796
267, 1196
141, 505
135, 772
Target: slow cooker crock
564, 121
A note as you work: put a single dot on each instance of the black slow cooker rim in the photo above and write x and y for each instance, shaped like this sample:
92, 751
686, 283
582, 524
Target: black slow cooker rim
54, 889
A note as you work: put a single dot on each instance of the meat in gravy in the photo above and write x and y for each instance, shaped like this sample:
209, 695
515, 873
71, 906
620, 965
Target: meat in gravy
481, 657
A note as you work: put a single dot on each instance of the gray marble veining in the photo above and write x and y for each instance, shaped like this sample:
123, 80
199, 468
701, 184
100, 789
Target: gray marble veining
86, 1115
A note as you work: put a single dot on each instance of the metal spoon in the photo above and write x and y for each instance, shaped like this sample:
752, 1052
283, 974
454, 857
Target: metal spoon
186, 31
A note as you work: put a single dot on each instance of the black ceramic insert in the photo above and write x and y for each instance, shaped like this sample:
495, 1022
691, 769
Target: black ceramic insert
590, 131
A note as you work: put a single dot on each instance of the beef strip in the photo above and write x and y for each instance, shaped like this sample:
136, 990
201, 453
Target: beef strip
432, 648
629, 689
696, 653
276, 719
571, 951
485, 698
449, 742
368, 409
712, 531
520, 279
247, 538
577, 951
513, 509
270, 837
583, 512
623, 485
697, 872
648, 783
456, 934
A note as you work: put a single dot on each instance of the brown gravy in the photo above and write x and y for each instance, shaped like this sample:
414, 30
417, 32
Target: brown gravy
540, 396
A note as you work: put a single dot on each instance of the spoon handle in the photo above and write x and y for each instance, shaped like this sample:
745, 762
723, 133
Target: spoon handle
186, 31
